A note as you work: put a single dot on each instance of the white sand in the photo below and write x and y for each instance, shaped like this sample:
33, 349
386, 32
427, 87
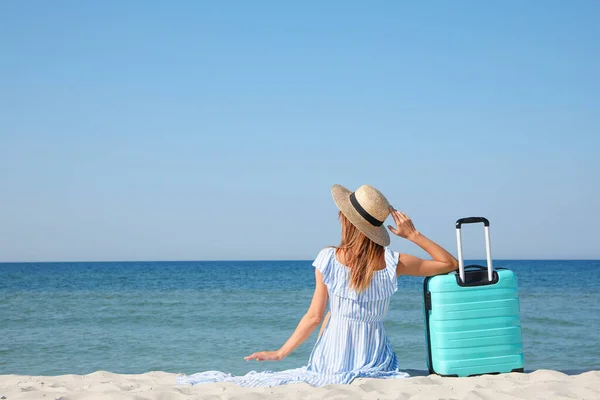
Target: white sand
542, 384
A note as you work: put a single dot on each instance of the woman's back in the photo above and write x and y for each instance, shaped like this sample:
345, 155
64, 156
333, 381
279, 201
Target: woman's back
342, 256
354, 342
368, 305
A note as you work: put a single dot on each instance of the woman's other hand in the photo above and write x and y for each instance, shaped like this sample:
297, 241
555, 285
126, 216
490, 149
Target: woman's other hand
404, 226
265, 356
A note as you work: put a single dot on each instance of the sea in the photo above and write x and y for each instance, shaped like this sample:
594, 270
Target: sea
187, 317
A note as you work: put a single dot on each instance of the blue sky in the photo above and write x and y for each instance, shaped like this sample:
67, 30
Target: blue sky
193, 130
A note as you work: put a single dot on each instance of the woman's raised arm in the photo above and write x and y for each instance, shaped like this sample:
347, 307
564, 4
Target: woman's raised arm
443, 262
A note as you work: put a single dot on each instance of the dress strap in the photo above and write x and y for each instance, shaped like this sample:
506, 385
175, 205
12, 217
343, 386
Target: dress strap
323, 262
391, 262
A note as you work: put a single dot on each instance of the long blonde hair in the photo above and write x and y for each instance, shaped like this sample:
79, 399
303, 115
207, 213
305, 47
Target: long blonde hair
362, 255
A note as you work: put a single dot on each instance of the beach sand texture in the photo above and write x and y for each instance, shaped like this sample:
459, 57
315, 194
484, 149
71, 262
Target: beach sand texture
540, 384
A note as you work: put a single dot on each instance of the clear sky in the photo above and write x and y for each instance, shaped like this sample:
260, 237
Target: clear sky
196, 130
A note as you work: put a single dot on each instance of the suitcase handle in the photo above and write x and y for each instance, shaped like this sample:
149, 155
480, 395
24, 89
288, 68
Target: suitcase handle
488, 251
472, 220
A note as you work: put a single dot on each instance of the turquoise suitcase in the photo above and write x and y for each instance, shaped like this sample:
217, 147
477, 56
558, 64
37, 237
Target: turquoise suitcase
472, 318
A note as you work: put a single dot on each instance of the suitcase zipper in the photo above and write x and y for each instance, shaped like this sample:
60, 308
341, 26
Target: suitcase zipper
427, 299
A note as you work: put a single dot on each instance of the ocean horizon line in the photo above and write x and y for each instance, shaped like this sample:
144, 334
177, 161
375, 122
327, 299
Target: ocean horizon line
267, 260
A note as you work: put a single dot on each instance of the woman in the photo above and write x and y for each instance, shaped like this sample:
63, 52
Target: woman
357, 278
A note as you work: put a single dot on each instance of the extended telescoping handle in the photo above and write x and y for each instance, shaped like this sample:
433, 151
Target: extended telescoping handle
488, 250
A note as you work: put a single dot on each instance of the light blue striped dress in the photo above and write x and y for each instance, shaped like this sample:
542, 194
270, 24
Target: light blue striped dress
354, 343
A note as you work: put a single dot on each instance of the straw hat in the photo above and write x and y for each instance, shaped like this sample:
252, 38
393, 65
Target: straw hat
366, 209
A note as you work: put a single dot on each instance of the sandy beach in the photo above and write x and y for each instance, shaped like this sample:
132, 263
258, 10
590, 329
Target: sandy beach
540, 384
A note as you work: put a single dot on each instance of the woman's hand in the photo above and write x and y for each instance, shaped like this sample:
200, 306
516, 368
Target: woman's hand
265, 356
405, 227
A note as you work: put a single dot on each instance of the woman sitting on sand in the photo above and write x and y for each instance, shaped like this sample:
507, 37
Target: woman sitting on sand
358, 278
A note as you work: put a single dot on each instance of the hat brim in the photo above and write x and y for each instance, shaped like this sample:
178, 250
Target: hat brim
341, 198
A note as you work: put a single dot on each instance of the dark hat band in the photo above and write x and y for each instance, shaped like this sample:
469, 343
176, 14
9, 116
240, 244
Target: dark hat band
363, 213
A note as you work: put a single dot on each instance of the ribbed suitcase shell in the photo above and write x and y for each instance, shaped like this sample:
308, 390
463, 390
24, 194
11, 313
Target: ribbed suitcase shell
473, 330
